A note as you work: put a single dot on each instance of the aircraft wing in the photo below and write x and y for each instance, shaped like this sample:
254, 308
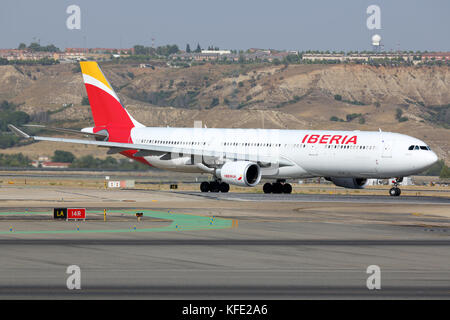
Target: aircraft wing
163, 151
71, 131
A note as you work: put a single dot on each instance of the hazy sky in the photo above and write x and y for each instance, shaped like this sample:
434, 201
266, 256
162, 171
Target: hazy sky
233, 24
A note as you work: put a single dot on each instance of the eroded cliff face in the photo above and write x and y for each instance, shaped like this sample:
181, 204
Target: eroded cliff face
259, 86
293, 97
367, 84
427, 85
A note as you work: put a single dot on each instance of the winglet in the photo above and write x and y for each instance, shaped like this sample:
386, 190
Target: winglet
18, 132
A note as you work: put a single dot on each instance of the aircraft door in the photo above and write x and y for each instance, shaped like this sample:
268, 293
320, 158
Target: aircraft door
386, 148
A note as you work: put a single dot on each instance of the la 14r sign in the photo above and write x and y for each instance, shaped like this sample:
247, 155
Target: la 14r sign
76, 213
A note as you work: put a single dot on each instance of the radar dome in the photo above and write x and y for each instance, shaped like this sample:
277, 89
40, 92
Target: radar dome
376, 39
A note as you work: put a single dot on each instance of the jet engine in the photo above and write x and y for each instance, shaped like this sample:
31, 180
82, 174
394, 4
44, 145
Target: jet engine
240, 173
350, 183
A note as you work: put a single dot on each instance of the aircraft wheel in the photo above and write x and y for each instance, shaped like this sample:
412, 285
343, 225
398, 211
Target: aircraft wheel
224, 187
277, 187
392, 192
214, 186
267, 188
287, 188
204, 186
395, 192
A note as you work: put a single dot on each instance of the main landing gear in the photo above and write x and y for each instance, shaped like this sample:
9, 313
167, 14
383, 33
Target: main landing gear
395, 190
214, 186
278, 187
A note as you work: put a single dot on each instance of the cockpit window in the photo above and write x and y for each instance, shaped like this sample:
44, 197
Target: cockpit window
419, 148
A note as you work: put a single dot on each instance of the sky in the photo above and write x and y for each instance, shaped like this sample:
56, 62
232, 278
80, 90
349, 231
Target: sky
229, 24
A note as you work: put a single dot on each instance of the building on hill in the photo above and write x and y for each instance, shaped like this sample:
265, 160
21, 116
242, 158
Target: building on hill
219, 52
437, 56
55, 165
20, 55
227, 55
323, 56
44, 162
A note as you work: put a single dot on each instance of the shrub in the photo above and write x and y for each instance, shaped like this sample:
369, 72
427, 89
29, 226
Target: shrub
63, 156
214, 102
85, 101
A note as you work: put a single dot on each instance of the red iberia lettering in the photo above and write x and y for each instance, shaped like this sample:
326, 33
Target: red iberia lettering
324, 138
343, 140
335, 138
351, 140
329, 139
314, 138
304, 139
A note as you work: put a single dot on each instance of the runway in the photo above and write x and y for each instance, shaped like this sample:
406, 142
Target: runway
311, 248
320, 198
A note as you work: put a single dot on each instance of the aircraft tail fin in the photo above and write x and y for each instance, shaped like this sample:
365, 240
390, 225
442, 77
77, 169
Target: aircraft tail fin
105, 104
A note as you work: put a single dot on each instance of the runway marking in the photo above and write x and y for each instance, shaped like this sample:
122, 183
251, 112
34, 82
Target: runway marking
179, 222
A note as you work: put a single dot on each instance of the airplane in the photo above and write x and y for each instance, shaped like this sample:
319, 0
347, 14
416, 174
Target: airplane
242, 157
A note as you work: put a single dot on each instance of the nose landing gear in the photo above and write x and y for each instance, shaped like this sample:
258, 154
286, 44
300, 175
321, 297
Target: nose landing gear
395, 190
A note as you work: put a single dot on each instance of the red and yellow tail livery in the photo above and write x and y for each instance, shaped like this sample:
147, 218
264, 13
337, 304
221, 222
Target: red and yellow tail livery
107, 110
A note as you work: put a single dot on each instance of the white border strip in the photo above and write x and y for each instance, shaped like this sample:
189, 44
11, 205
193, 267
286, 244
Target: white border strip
92, 81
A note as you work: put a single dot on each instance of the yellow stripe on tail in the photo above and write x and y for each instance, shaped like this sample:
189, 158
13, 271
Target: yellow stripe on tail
92, 69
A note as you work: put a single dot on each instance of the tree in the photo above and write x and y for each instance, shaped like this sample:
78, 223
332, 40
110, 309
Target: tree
63, 156
188, 48
16, 118
7, 141
398, 115
85, 101
50, 48
138, 49
22, 46
199, 49
14, 160
445, 172
334, 118
34, 46
214, 102
167, 50
7, 106
435, 169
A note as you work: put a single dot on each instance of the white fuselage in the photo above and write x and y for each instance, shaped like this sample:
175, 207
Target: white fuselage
309, 153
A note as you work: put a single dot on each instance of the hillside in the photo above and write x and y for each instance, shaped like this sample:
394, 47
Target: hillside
294, 97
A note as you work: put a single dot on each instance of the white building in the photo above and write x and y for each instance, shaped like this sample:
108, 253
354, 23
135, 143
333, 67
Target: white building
219, 52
